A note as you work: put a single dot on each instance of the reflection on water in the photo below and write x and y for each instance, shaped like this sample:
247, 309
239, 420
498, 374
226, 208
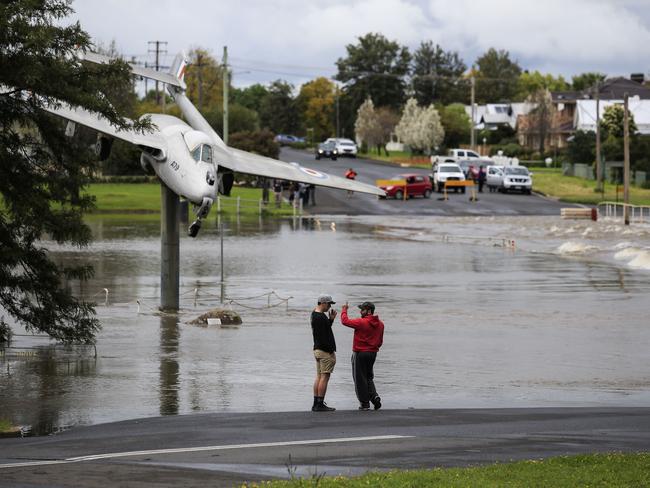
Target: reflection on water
469, 324
169, 368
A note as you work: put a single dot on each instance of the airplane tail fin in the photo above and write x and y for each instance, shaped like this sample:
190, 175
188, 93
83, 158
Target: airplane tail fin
179, 66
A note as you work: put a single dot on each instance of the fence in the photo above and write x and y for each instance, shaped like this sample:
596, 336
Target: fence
239, 204
638, 213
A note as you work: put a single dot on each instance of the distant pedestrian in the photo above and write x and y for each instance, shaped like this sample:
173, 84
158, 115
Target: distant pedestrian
294, 194
482, 176
312, 194
368, 338
305, 194
277, 192
322, 318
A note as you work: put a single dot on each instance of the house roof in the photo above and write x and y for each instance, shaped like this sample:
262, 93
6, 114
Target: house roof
498, 113
611, 89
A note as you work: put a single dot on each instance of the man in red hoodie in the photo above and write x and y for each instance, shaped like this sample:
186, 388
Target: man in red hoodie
368, 338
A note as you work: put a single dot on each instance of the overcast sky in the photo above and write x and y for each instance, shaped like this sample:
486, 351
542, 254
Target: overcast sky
298, 40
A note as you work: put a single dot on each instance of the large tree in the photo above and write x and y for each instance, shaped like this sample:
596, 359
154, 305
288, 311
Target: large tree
530, 83
204, 79
438, 76
278, 111
42, 172
374, 67
585, 81
496, 77
316, 102
457, 125
250, 97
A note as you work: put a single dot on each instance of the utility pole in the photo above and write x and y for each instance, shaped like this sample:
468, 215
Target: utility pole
158, 51
226, 83
599, 176
338, 130
626, 160
472, 96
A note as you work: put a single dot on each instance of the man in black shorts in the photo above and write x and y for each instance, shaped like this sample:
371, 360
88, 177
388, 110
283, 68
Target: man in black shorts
322, 318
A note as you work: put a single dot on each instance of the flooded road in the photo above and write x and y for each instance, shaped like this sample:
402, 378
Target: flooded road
560, 319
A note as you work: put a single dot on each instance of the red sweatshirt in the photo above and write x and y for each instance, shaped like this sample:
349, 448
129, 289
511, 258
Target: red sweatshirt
368, 332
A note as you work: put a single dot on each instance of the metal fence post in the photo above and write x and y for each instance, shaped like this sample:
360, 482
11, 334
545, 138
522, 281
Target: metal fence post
238, 204
261, 201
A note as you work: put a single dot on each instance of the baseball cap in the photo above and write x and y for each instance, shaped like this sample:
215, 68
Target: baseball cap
325, 299
367, 305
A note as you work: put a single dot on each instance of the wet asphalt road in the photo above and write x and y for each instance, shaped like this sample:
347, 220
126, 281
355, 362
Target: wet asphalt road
336, 202
224, 449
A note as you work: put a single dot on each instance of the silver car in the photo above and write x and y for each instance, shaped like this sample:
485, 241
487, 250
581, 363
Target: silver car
507, 178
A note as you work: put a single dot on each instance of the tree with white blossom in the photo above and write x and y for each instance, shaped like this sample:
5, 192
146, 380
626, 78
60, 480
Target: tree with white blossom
366, 127
431, 132
420, 128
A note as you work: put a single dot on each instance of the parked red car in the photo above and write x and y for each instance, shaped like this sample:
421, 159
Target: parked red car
416, 185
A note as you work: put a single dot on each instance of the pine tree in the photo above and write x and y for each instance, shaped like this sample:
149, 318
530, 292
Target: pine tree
42, 172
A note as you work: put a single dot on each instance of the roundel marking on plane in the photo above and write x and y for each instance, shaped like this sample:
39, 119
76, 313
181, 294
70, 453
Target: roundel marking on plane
314, 173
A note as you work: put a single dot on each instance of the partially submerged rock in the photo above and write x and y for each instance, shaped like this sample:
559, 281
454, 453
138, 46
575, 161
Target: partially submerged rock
227, 317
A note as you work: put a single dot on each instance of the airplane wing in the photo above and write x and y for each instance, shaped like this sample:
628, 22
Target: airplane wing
245, 162
100, 124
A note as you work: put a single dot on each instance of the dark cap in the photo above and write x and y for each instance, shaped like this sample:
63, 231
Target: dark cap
325, 299
367, 305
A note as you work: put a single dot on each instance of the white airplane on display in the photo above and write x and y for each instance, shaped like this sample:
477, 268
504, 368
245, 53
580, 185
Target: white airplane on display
190, 157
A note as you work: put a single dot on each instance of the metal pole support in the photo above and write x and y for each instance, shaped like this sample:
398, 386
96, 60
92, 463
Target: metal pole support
169, 249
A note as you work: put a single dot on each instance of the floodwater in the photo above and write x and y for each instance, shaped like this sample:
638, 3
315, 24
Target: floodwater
559, 319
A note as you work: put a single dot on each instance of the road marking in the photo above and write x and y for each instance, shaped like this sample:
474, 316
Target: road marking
114, 455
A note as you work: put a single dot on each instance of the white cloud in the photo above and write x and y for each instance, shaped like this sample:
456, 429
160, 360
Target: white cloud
560, 36
554, 32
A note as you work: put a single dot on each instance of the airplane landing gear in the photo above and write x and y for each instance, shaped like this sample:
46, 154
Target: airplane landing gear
201, 212
194, 228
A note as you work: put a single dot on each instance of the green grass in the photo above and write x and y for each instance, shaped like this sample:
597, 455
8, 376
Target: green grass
5, 426
398, 158
116, 198
550, 181
611, 470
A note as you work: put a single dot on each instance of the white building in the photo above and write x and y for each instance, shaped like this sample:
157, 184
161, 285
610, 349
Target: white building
585, 114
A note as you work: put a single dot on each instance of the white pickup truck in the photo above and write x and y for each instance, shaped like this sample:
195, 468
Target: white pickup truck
455, 155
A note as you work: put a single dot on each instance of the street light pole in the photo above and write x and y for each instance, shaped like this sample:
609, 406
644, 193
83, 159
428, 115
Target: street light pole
226, 83
338, 132
626, 160
472, 96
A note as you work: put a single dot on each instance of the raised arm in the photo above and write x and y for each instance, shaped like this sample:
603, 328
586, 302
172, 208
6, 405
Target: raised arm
348, 322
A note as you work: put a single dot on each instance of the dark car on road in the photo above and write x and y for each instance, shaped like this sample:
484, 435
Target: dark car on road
416, 185
327, 150
287, 139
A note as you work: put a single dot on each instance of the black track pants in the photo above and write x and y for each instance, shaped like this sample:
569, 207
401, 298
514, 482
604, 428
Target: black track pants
362, 363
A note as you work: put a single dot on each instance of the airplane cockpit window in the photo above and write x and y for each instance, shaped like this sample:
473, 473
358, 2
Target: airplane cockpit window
206, 154
202, 153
